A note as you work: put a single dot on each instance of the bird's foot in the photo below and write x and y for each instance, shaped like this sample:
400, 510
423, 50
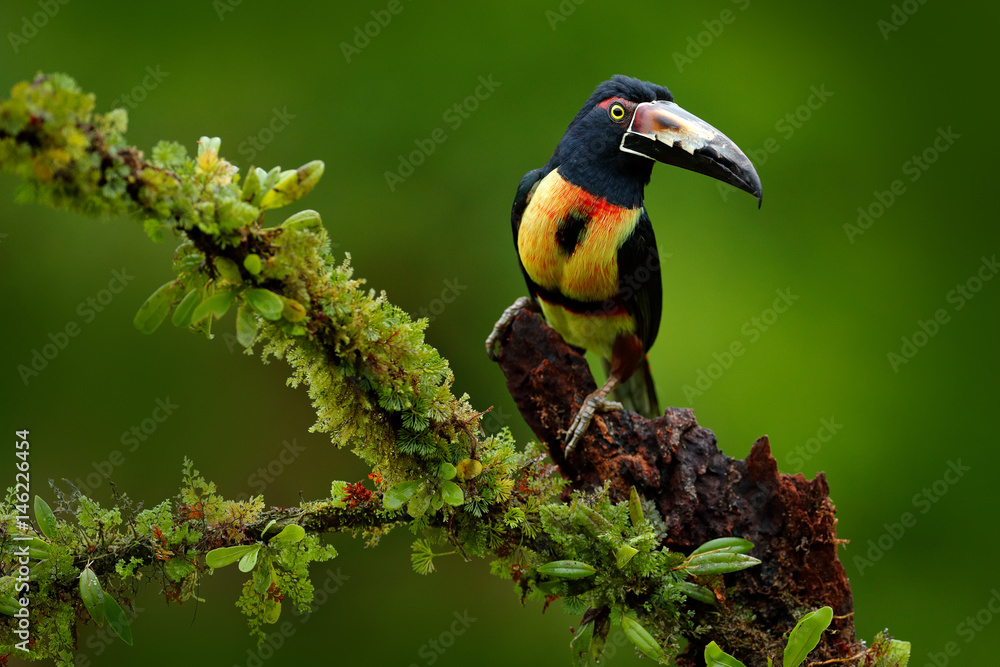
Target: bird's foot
596, 402
508, 316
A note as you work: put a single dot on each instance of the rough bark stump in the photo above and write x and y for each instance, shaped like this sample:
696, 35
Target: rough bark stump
702, 493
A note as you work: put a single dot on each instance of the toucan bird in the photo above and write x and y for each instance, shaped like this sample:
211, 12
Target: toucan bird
585, 244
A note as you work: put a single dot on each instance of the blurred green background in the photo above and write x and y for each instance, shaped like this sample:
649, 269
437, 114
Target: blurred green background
278, 84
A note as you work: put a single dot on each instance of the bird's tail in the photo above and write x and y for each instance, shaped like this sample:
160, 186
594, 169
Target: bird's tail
638, 393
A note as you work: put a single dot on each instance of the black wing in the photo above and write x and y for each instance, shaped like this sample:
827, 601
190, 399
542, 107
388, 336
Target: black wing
639, 283
524, 191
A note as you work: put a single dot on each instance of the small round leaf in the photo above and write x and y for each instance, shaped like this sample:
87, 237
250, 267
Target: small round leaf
249, 560
265, 302
452, 493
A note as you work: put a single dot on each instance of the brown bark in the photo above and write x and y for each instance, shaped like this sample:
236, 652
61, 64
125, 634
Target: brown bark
701, 492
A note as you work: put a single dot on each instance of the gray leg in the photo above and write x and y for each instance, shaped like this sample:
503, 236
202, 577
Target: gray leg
504, 321
596, 402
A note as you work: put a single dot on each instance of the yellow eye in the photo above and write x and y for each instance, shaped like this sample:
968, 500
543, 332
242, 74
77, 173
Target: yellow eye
617, 112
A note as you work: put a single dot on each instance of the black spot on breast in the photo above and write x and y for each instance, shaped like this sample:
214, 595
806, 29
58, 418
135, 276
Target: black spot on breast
570, 233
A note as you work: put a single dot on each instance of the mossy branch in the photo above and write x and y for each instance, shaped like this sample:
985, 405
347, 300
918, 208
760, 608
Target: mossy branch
377, 388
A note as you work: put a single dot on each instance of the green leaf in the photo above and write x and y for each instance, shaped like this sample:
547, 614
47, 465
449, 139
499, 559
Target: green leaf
731, 544
447, 471
249, 560
716, 657
268, 526
227, 555
292, 310
246, 326
272, 611
592, 520
805, 635
262, 578
9, 603
152, 313
718, 562
567, 569
92, 595
581, 641
252, 264
898, 651
419, 504
45, 518
37, 547
215, 305
635, 508
308, 220
291, 534
624, 555
185, 309
437, 500
452, 493
228, 270
251, 186
699, 593
399, 494
641, 638
294, 186
179, 567
117, 619
265, 302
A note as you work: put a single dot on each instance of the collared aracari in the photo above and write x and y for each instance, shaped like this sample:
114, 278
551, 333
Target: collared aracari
585, 244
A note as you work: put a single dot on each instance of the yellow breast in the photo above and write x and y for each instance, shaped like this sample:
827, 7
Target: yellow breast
586, 270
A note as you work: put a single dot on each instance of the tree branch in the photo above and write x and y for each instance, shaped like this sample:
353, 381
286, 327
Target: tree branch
701, 493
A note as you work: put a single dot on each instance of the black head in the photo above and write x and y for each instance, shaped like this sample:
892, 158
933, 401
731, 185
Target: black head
589, 155
610, 146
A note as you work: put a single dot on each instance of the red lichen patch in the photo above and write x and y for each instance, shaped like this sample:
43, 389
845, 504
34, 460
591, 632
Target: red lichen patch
356, 494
